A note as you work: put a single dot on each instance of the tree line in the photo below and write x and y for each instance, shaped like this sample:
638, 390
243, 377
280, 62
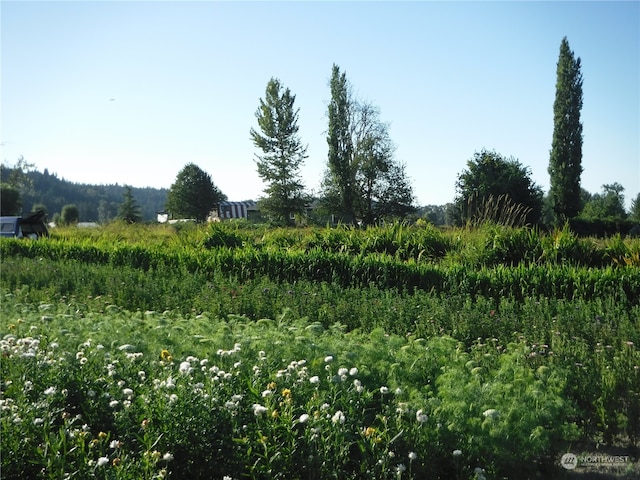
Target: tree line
364, 183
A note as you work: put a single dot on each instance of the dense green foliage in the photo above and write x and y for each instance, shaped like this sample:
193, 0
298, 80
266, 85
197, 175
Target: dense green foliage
96, 203
129, 210
565, 163
490, 177
193, 194
282, 155
363, 181
344, 352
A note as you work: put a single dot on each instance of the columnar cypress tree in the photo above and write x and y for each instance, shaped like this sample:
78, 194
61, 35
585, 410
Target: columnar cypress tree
565, 163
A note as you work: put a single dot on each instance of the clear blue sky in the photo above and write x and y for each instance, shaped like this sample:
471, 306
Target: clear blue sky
130, 92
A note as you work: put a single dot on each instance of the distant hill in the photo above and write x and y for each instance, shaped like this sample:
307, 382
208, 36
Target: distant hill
96, 203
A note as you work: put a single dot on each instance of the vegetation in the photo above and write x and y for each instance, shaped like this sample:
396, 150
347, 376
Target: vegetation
193, 195
129, 211
96, 203
137, 351
283, 154
363, 182
493, 187
565, 164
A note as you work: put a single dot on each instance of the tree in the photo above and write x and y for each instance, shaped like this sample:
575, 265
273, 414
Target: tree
634, 214
339, 182
10, 200
129, 210
283, 154
608, 205
497, 189
193, 194
70, 215
14, 183
565, 163
363, 180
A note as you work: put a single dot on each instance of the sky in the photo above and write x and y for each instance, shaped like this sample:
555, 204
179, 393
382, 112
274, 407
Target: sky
129, 92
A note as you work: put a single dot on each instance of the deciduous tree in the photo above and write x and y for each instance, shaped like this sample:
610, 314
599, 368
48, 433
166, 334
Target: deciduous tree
193, 194
492, 183
565, 163
363, 180
282, 154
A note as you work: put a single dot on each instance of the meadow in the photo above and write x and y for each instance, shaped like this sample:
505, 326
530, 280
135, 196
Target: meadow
234, 351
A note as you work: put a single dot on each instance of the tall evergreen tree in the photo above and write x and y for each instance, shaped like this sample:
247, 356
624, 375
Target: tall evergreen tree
129, 210
565, 164
282, 154
193, 194
340, 183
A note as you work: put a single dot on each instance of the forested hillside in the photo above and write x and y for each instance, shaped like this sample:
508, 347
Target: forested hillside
96, 203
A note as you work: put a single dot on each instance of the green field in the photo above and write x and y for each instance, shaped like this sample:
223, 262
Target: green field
245, 352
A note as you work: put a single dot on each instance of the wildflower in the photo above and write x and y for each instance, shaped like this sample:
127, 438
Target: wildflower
457, 453
115, 444
421, 417
173, 398
165, 355
102, 461
384, 390
315, 379
185, 368
116, 461
413, 456
353, 372
50, 391
167, 457
400, 469
38, 421
258, 409
358, 384
127, 392
338, 417
328, 359
369, 431
303, 418
113, 403
491, 413
342, 371
266, 393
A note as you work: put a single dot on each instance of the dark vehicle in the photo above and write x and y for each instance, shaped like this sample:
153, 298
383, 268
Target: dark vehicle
32, 226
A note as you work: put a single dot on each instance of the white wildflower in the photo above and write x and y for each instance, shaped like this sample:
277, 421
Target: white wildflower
102, 461
384, 390
315, 379
258, 409
328, 359
421, 417
185, 368
491, 414
304, 418
457, 453
338, 417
